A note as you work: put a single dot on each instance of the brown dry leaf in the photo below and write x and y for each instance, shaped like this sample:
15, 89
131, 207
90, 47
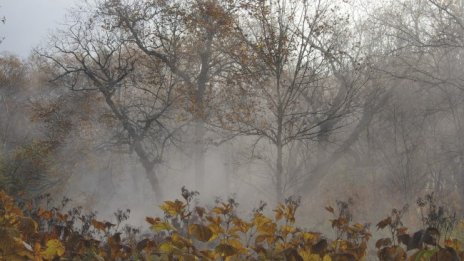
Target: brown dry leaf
200, 232
401, 230
330, 209
45, 214
339, 222
225, 250
98, 225
320, 247
383, 242
27, 226
152, 221
454, 243
200, 211
382, 224
393, 253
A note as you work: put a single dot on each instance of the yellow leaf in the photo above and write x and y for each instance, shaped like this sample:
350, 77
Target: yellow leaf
311, 237
180, 242
279, 212
240, 225
200, 232
223, 210
264, 225
208, 254
307, 256
214, 220
173, 208
161, 226
327, 258
358, 227
166, 247
54, 248
344, 245
286, 229
237, 244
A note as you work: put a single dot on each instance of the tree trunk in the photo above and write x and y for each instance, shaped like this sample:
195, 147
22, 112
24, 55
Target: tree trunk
317, 174
154, 182
199, 155
137, 146
279, 173
279, 147
228, 167
199, 132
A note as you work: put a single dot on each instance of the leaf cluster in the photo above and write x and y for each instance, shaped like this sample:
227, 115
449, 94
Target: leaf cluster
31, 230
424, 244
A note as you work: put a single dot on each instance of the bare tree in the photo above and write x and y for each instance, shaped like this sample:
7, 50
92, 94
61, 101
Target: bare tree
189, 38
297, 90
91, 58
425, 45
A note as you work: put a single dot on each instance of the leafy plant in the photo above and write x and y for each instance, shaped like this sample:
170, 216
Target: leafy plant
34, 230
426, 242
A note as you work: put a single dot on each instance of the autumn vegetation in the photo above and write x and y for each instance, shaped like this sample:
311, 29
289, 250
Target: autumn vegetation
34, 230
296, 103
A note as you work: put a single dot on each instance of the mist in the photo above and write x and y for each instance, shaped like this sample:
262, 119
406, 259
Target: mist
340, 101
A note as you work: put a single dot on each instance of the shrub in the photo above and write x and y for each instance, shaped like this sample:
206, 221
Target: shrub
32, 231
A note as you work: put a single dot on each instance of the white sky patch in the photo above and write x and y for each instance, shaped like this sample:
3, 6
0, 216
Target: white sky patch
28, 23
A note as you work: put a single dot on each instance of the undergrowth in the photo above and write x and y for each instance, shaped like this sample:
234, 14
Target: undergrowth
34, 230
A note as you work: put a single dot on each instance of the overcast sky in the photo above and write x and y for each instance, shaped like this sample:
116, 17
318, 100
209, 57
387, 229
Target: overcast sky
28, 22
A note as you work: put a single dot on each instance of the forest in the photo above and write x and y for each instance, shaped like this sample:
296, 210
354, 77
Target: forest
311, 130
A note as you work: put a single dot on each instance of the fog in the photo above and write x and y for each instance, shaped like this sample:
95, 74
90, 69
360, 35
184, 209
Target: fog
344, 100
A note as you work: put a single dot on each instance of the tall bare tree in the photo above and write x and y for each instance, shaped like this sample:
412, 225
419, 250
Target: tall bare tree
91, 58
298, 88
190, 38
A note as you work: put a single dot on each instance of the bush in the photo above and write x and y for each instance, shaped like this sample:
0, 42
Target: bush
191, 232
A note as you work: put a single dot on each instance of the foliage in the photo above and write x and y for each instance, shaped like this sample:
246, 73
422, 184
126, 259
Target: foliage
26, 168
427, 243
32, 230
436, 216
186, 232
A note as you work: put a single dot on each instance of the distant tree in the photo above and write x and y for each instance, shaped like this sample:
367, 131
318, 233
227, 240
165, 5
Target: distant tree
418, 54
299, 82
13, 81
25, 156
